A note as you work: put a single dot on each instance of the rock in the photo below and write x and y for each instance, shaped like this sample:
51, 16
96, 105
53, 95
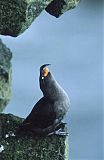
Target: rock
5, 75
17, 15
58, 7
27, 147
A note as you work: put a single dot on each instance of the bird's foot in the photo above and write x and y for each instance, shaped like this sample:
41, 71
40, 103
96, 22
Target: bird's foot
59, 133
60, 130
61, 126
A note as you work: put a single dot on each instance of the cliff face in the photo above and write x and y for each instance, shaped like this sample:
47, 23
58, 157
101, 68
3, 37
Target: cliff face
5, 75
27, 147
17, 15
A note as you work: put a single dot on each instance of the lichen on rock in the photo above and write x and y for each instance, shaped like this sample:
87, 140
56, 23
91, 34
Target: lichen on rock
27, 147
5, 75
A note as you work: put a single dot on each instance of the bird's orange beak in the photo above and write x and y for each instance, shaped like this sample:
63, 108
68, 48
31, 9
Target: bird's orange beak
45, 72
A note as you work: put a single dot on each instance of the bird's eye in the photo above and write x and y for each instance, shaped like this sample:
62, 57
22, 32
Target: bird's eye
45, 72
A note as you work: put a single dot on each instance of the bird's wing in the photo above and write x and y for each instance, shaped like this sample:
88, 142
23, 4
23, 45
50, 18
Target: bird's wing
42, 115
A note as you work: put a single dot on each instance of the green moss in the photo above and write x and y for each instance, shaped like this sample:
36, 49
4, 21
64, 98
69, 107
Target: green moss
17, 15
5, 75
27, 147
70, 4
12, 13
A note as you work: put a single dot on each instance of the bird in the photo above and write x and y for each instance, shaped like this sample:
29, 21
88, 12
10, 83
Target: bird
47, 114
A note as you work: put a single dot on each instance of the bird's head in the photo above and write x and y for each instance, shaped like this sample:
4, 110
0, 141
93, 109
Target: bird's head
44, 71
45, 78
48, 84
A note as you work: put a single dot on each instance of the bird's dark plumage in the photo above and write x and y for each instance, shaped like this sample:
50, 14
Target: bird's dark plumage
49, 111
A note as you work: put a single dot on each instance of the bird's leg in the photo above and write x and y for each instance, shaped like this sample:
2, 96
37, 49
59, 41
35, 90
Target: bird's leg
60, 130
61, 126
61, 133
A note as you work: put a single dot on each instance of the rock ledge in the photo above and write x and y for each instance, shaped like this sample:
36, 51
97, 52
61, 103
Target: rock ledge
28, 148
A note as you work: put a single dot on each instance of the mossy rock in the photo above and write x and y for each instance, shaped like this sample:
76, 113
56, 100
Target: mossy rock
5, 75
28, 147
17, 15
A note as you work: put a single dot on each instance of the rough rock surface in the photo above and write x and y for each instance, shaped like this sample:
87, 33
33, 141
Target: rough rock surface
58, 7
17, 15
27, 147
5, 75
